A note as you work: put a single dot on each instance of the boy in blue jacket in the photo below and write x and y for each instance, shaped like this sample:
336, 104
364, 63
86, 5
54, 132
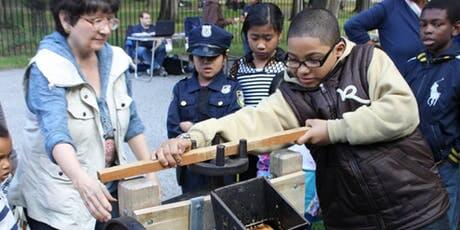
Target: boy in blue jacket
434, 79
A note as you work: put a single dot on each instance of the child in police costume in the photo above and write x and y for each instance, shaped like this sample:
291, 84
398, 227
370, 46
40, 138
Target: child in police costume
373, 169
208, 93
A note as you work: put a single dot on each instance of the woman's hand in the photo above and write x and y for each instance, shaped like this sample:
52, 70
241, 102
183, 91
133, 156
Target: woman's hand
93, 193
95, 196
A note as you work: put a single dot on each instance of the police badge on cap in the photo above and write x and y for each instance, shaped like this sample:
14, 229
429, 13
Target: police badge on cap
206, 31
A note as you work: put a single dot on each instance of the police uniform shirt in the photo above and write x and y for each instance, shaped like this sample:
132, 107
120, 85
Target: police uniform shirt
223, 96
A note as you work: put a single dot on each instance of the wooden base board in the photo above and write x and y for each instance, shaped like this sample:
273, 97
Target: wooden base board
176, 215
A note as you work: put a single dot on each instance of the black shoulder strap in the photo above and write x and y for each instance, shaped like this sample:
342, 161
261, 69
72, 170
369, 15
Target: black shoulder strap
276, 82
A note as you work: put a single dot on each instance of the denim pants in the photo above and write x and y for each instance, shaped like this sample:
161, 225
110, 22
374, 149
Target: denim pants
439, 224
145, 55
450, 175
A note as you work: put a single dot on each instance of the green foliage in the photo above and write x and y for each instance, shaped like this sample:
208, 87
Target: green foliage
28, 21
13, 62
36, 4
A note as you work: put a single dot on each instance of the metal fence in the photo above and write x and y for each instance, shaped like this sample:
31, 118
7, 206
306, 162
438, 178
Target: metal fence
23, 23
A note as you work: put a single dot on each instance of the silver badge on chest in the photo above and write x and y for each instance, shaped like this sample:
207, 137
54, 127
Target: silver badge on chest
226, 89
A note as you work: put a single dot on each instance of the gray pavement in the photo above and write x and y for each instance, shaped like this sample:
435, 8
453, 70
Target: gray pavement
152, 100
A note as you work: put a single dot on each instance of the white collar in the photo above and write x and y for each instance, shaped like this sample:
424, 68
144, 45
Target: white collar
417, 10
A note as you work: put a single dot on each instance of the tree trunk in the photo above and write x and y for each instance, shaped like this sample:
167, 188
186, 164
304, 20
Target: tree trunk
3, 12
333, 6
317, 3
168, 9
297, 6
362, 5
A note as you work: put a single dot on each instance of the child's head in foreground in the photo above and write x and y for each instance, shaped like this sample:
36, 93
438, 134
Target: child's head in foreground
314, 46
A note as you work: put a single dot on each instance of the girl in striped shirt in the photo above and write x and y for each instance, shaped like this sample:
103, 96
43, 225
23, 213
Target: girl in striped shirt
256, 70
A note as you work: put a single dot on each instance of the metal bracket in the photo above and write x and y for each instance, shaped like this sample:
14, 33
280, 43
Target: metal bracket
196, 213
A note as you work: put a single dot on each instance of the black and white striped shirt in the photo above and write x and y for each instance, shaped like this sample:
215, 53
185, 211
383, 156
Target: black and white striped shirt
256, 82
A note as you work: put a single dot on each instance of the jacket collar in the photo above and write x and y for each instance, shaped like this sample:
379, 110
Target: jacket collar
450, 53
215, 85
55, 51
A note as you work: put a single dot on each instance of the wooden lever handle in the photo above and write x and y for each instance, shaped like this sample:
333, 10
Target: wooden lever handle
199, 155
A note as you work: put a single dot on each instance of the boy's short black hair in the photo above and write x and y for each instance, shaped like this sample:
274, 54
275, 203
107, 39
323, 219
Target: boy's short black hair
452, 8
316, 23
77, 8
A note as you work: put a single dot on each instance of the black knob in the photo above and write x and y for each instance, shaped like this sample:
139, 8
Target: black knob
243, 148
220, 155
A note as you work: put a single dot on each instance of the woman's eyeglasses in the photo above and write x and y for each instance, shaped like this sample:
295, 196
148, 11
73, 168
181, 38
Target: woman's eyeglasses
100, 23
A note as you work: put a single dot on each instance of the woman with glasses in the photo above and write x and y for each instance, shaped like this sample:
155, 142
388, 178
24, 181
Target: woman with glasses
80, 112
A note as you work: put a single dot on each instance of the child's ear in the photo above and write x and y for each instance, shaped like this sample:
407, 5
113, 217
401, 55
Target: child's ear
340, 48
456, 30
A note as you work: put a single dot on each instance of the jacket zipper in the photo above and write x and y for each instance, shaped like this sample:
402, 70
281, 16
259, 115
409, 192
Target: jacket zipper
419, 89
330, 105
366, 191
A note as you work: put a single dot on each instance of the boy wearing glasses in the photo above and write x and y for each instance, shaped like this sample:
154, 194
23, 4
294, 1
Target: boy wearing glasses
374, 170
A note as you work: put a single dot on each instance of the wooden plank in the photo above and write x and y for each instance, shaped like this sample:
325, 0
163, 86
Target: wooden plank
176, 215
199, 155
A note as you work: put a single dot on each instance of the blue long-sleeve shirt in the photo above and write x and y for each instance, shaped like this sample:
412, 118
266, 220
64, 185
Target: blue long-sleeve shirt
398, 28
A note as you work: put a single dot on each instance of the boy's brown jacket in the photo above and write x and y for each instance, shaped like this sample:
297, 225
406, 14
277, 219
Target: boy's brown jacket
373, 174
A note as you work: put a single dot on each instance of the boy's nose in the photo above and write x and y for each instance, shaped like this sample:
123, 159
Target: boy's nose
303, 70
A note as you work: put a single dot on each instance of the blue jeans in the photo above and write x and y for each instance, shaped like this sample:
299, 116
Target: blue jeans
438, 224
144, 54
450, 175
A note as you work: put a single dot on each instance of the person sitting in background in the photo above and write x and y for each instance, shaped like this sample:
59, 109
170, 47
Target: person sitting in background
144, 50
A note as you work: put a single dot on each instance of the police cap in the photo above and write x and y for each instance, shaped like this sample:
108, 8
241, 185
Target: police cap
209, 41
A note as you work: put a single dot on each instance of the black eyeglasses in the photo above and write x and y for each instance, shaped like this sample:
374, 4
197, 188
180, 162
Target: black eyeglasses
292, 63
